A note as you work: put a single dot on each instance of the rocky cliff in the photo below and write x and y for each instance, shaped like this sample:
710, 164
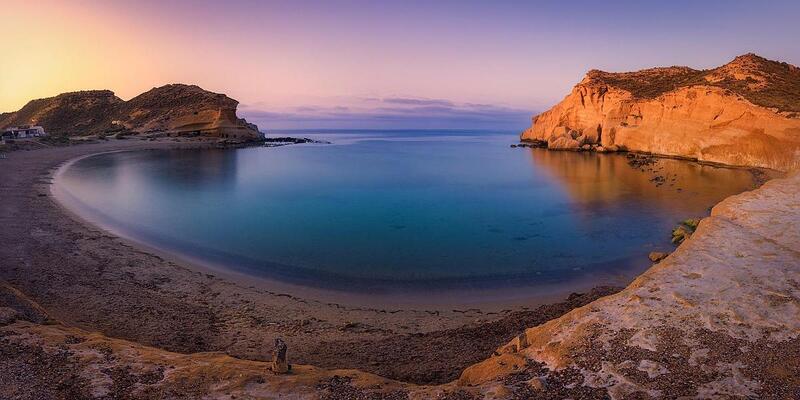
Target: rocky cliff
746, 112
174, 109
718, 318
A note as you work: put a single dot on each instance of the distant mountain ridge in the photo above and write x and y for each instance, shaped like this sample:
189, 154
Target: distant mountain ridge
746, 112
174, 109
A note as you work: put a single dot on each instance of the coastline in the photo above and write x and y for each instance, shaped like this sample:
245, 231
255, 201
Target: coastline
180, 309
488, 294
721, 312
92, 280
760, 175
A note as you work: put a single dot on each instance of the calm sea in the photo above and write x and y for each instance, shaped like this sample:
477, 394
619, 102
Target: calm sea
408, 211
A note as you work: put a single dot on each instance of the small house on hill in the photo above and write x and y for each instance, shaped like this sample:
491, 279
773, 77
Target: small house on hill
22, 132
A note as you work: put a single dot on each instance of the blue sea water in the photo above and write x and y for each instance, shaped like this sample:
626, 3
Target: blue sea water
399, 210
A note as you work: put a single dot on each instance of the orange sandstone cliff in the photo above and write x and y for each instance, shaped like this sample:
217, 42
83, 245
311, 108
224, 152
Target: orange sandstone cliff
173, 109
746, 112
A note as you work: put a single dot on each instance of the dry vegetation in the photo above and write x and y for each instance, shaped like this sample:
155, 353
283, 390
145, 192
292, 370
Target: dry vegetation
97, 112
763, 82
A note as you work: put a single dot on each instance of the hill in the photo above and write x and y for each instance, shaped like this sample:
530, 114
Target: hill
175, 109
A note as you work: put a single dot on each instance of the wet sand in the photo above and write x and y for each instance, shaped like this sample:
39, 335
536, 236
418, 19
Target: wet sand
91, 279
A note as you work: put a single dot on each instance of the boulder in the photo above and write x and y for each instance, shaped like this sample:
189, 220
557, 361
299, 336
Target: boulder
657, 256
8, 315
563, 143
537, 383
559, 131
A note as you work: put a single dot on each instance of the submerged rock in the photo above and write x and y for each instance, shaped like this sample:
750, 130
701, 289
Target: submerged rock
532, 143
680, 234
656, 256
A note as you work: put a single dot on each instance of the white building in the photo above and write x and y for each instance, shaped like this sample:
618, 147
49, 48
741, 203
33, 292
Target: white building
22, 132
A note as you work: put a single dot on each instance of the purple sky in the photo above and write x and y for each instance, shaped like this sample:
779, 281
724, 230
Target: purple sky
376, 64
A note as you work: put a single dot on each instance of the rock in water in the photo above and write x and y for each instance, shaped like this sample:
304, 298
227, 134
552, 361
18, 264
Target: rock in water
680, 234
657, 256
563, 143
279, 363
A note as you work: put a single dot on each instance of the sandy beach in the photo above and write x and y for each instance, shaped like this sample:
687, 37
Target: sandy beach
90, 279
87, 314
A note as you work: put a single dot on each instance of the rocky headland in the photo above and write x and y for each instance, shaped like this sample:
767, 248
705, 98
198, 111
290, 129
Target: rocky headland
744, 113
176, 110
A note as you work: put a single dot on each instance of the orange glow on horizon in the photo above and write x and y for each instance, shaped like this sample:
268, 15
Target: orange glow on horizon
278, 57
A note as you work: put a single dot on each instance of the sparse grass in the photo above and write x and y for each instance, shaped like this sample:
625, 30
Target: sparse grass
780, 90
649, 84
691, 223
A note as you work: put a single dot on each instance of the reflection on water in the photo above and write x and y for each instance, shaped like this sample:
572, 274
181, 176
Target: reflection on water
401, 210
217, 171
600, 180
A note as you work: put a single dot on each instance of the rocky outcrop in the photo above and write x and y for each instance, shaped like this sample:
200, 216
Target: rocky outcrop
717, 318
173, 109
185, 109
746, 113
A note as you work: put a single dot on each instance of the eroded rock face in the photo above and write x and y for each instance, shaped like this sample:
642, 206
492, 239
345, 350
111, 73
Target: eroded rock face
719, 317
174, 109
185, 109
563, 141
746, 112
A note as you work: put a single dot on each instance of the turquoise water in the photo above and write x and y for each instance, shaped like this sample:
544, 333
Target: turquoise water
395, 210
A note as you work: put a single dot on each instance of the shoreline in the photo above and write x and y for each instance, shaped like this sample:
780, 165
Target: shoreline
761, 175
160, 303
92, 280
485, 293
725, 301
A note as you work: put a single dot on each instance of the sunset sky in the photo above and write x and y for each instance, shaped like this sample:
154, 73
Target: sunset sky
373, 64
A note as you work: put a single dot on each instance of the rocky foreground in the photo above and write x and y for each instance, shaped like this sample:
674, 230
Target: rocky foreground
746, 112
718, 318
